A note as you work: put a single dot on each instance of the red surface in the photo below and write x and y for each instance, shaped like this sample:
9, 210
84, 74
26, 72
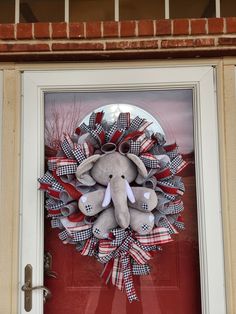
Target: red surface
173, 287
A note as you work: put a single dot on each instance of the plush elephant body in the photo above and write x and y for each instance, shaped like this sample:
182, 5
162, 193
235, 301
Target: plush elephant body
120, 204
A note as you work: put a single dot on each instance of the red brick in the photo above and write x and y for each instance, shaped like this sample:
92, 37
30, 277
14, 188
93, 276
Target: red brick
181, 27
145, 28
198, 26
93, 30
204, 42
127, 28
187, 43
163, 27
177, 43
149, 44
230, 24
227, 41
7, 31
77, 46
76, 30
3, 47
110, 29
41, 30
59, 30
122, 45
127, 45
24, 31
215, 25
24, 47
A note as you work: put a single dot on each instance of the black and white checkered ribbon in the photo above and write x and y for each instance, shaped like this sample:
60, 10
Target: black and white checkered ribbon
76, 236
111, 131
135, 147
57, 186
56, 223
54, 205
150, 161
98, 134
120, 235
95, 117
84, 128
78, 154
128, 280
164, 222
47, 178
172, 154
67, 169
123, 120
177, 164
140, 270
81, 235
67, 148
179, 224
52, 163
135, 124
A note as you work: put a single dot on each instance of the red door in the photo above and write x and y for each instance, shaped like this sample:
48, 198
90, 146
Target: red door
173, 287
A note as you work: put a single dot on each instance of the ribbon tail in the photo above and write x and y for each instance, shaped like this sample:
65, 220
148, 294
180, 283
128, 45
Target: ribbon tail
107, 271
128, 279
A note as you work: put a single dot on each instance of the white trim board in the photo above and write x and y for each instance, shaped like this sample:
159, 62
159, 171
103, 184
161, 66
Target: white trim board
201, 79
1, 106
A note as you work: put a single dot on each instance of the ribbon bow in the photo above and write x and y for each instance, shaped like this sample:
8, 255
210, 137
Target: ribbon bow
126, 255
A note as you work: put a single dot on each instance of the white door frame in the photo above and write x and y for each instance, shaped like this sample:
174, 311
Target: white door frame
115, 77
1, 104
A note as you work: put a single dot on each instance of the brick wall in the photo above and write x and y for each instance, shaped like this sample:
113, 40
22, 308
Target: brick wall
115, 40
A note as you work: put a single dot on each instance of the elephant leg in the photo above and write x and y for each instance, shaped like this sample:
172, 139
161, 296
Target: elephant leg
105, 222
90, 203
145, 199
142, 223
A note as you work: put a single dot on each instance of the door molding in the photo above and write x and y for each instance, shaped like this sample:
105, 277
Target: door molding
202, 80
1, 105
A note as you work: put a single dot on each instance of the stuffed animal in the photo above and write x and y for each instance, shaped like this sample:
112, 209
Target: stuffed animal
121, 205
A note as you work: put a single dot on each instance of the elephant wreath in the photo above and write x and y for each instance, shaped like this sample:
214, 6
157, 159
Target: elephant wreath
115, 191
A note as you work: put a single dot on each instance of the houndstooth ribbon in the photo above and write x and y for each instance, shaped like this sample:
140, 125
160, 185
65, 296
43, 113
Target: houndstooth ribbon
135, 147
127, 254
150, 161
123, 120
67, 146
95, 118
76, 234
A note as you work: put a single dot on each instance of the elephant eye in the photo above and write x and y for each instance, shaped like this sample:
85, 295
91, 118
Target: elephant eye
122, 177
110, 176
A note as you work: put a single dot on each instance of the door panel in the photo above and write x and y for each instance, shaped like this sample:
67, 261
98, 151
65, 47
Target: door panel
174, 283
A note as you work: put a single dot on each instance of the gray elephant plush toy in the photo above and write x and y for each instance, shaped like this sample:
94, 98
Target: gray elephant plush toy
121, 205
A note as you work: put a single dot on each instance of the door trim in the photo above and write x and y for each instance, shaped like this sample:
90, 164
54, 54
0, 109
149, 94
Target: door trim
1, 105
201, 79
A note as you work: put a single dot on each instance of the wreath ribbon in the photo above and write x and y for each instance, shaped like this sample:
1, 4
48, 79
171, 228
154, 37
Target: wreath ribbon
125, 251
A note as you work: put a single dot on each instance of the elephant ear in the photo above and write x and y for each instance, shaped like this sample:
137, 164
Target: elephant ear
82, 174
142, 171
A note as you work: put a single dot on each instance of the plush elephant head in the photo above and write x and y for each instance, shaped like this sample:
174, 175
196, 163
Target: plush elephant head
115, 171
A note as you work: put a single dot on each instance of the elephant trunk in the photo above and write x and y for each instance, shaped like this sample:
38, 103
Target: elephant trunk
120, 189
